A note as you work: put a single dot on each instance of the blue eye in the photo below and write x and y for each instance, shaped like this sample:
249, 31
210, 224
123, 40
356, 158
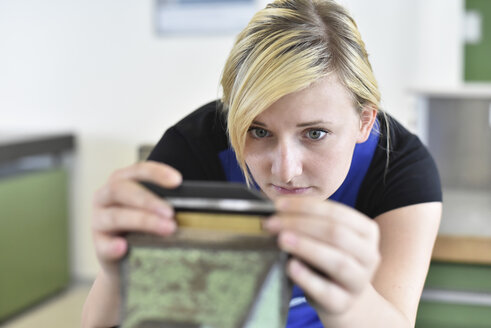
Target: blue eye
316, 134
259, 133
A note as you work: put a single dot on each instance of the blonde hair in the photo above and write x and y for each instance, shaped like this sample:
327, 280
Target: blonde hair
286, 47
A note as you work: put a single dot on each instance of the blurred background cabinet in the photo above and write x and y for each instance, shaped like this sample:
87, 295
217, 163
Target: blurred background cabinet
455, 124
477, 48
34, 216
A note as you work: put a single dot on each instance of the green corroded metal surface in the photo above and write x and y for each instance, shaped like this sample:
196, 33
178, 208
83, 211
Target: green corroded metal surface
215, 288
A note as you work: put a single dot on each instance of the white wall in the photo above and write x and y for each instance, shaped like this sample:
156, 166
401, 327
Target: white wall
96, 68
391, 44
412, 45
439, 28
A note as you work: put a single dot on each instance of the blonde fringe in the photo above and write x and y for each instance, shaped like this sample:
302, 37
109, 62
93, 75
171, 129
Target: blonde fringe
286, 47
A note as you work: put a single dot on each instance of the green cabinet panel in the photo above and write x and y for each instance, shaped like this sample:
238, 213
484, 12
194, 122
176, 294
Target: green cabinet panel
477, 63
451, 313
445, 315
33, 238
459, 277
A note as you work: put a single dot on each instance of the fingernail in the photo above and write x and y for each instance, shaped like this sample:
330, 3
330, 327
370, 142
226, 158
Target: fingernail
119, 246
295, 267
288, 239
165, 211
166, 226
272, 224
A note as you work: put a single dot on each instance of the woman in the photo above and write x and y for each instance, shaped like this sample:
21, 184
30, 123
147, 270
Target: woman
299, 116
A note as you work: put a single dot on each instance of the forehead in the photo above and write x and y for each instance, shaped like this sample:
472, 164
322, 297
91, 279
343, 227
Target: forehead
326, 99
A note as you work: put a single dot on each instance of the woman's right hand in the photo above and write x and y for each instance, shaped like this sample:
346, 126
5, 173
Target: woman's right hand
123, 205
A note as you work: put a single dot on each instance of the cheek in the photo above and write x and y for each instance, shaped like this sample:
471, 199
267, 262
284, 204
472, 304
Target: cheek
256, 161
331, 167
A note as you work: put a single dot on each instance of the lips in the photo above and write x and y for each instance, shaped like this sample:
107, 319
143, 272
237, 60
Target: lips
290, 190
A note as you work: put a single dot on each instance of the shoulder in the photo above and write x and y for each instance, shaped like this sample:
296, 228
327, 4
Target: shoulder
192, 144
208, 120
402, 172
400, 142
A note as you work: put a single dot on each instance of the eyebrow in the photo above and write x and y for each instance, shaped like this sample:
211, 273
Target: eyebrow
259, 123
300, 125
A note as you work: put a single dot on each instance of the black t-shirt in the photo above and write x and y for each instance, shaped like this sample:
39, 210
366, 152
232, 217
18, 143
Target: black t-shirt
407, 176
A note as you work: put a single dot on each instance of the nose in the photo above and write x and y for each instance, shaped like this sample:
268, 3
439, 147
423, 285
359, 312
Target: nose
286, 162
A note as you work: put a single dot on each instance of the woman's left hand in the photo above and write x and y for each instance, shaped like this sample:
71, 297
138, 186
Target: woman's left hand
334, 248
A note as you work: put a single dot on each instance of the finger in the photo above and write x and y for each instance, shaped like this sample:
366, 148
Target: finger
338, 266
117, 219
131, 194
336, 235
150, 171
110, 248
330, 210
325, 293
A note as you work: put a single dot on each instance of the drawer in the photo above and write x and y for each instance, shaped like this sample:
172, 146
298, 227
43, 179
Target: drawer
456, 296
459, 277
448, 315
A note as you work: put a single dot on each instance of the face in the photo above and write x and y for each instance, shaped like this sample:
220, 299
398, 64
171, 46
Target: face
303, 143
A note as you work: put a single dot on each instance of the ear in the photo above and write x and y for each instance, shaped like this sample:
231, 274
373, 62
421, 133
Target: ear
367, 119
